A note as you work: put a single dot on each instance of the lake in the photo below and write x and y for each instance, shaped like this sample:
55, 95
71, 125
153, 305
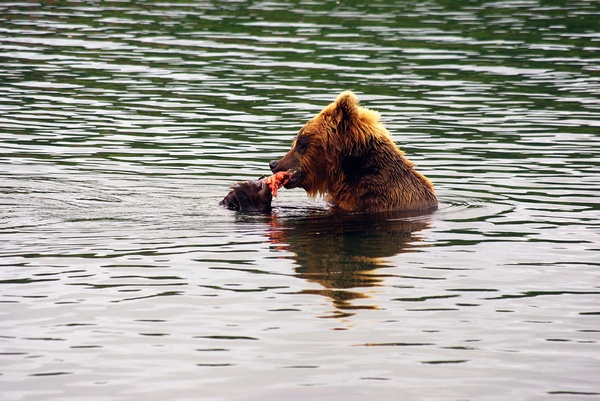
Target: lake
123, 124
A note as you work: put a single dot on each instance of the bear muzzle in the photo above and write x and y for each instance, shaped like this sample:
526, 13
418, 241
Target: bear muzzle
295, 176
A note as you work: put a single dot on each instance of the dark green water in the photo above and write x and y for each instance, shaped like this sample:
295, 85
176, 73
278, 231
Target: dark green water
123, 124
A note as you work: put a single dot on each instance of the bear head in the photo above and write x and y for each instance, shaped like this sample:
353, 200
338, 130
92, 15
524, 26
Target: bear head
319, 155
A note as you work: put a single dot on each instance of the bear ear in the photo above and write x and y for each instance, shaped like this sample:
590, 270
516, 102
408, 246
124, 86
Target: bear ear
346, 104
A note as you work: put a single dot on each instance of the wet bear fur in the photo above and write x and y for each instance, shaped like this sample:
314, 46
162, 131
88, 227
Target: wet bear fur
346, 153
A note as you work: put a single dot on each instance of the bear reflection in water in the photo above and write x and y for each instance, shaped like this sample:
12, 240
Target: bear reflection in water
346, 251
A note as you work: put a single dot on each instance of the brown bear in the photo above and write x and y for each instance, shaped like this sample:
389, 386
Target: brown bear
346, 153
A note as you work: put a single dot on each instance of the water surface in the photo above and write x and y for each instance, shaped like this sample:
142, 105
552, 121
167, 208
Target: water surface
122, 126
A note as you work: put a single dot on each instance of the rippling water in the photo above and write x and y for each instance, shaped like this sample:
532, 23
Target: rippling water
122, 125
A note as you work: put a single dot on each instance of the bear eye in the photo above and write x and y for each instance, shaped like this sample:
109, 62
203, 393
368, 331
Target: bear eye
302, 144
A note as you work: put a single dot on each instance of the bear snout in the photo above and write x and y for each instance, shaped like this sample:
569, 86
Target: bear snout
273, 165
